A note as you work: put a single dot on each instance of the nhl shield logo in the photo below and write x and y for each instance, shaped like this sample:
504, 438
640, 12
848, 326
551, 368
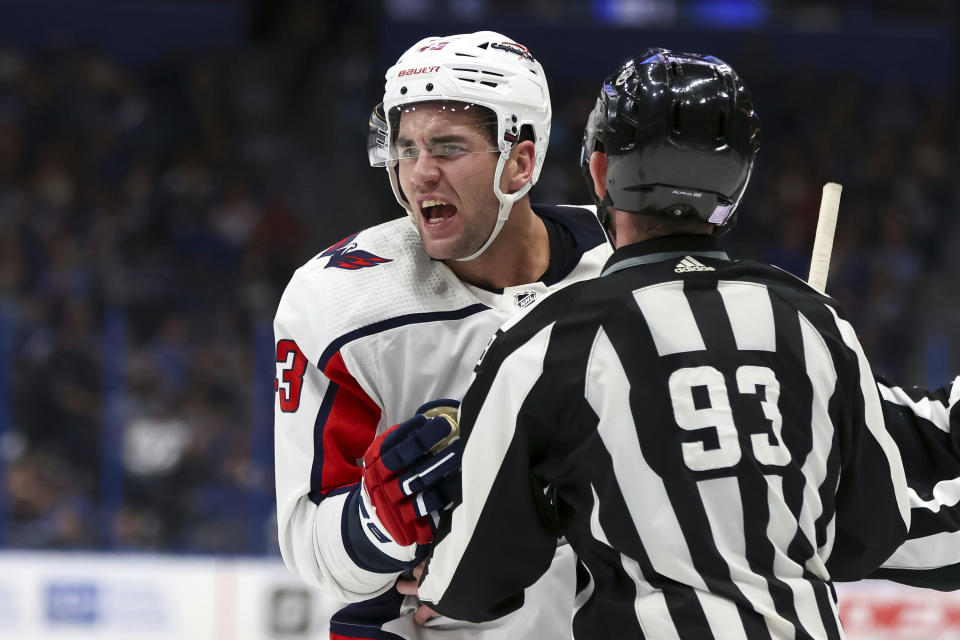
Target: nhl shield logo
524, 299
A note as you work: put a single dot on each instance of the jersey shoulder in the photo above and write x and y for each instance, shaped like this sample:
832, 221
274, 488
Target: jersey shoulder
377, 275
580, 220
785, 284
580, 306
592, 249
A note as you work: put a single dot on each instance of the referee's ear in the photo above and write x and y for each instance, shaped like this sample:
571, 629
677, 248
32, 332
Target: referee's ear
598, 171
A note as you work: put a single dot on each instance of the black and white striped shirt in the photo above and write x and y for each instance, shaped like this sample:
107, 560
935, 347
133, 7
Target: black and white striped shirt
926, 427
706, 433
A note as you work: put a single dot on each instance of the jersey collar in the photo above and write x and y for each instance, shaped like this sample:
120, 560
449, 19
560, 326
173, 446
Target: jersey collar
663, 248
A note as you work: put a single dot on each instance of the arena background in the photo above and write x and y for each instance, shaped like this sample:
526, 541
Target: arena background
166, 165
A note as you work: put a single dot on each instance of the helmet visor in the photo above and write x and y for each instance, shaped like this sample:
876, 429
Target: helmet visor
430, 129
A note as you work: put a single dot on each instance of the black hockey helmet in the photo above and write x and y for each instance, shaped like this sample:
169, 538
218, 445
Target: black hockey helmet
680, 135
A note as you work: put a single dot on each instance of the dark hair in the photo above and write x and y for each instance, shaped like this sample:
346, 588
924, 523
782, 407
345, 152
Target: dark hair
659, 225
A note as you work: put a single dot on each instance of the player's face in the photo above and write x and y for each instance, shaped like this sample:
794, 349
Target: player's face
451, 193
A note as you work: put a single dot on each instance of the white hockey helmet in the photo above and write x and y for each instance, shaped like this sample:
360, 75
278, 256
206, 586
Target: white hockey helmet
484, 68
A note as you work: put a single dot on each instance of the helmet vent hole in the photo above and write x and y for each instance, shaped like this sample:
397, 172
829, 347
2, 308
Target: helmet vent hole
527, 133
403, 90
429, 86
675, 68
721, 126
488, 83
677, 111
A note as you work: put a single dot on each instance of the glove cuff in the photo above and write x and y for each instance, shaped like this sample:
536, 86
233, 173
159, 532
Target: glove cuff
438, 407
367, 541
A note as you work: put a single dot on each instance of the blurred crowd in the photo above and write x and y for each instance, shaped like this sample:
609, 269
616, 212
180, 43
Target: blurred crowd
170, 203
157, 213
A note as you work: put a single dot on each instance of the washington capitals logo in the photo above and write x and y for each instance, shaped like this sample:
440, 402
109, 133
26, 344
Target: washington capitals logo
513, 47
345, 255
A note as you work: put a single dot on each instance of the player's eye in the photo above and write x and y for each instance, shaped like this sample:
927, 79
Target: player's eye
451, 149
409, 152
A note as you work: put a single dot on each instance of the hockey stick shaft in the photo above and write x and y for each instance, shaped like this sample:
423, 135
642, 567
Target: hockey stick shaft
823, 242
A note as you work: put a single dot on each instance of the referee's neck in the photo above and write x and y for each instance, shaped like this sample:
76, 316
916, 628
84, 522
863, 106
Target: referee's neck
631, 228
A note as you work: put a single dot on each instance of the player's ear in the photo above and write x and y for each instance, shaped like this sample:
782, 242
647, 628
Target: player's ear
598, 171
522, 161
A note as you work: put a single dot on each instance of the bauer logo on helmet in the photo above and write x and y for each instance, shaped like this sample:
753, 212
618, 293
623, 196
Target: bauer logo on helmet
414, 72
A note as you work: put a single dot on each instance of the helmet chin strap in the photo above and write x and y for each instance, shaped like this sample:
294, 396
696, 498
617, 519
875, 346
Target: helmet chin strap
506, 200
392, 175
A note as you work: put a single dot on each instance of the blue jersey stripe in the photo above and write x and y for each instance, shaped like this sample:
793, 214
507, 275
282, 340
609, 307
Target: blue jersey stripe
393, 323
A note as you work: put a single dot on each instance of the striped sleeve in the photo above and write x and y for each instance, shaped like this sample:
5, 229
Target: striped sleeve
504, 529
854, 507
926, 427
871, 508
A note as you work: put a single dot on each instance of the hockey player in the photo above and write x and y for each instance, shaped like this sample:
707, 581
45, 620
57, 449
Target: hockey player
400, 313
705, 432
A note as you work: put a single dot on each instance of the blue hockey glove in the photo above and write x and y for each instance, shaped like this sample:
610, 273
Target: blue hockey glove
401, 469
405, 478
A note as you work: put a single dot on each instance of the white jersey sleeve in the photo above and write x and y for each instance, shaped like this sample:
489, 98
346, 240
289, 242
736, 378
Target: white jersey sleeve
324, 420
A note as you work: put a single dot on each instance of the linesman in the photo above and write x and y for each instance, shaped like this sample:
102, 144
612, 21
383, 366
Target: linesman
706, 432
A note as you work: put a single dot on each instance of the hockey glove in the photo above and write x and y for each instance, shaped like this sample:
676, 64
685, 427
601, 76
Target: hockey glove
402, 473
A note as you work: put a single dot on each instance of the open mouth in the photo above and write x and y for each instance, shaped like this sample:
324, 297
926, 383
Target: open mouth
437, 211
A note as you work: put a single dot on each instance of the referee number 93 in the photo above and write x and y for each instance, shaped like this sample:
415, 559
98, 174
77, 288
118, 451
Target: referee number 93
716, 413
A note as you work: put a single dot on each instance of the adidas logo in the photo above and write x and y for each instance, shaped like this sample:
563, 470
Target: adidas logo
689, 264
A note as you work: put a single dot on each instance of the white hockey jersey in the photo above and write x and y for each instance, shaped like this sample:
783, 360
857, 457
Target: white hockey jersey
366, 332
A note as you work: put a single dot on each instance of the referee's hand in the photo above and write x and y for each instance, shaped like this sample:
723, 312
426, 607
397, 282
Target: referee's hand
408, 587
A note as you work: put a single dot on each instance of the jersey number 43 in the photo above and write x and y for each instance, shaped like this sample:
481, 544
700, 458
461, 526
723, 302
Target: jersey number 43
291, 365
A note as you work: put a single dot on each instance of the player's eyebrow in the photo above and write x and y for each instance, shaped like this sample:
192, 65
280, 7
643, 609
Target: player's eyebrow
405, 142
448, 138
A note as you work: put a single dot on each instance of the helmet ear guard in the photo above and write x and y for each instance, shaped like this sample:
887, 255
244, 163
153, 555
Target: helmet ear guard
680, 134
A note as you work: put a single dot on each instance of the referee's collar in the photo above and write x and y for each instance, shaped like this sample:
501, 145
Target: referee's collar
664, 248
